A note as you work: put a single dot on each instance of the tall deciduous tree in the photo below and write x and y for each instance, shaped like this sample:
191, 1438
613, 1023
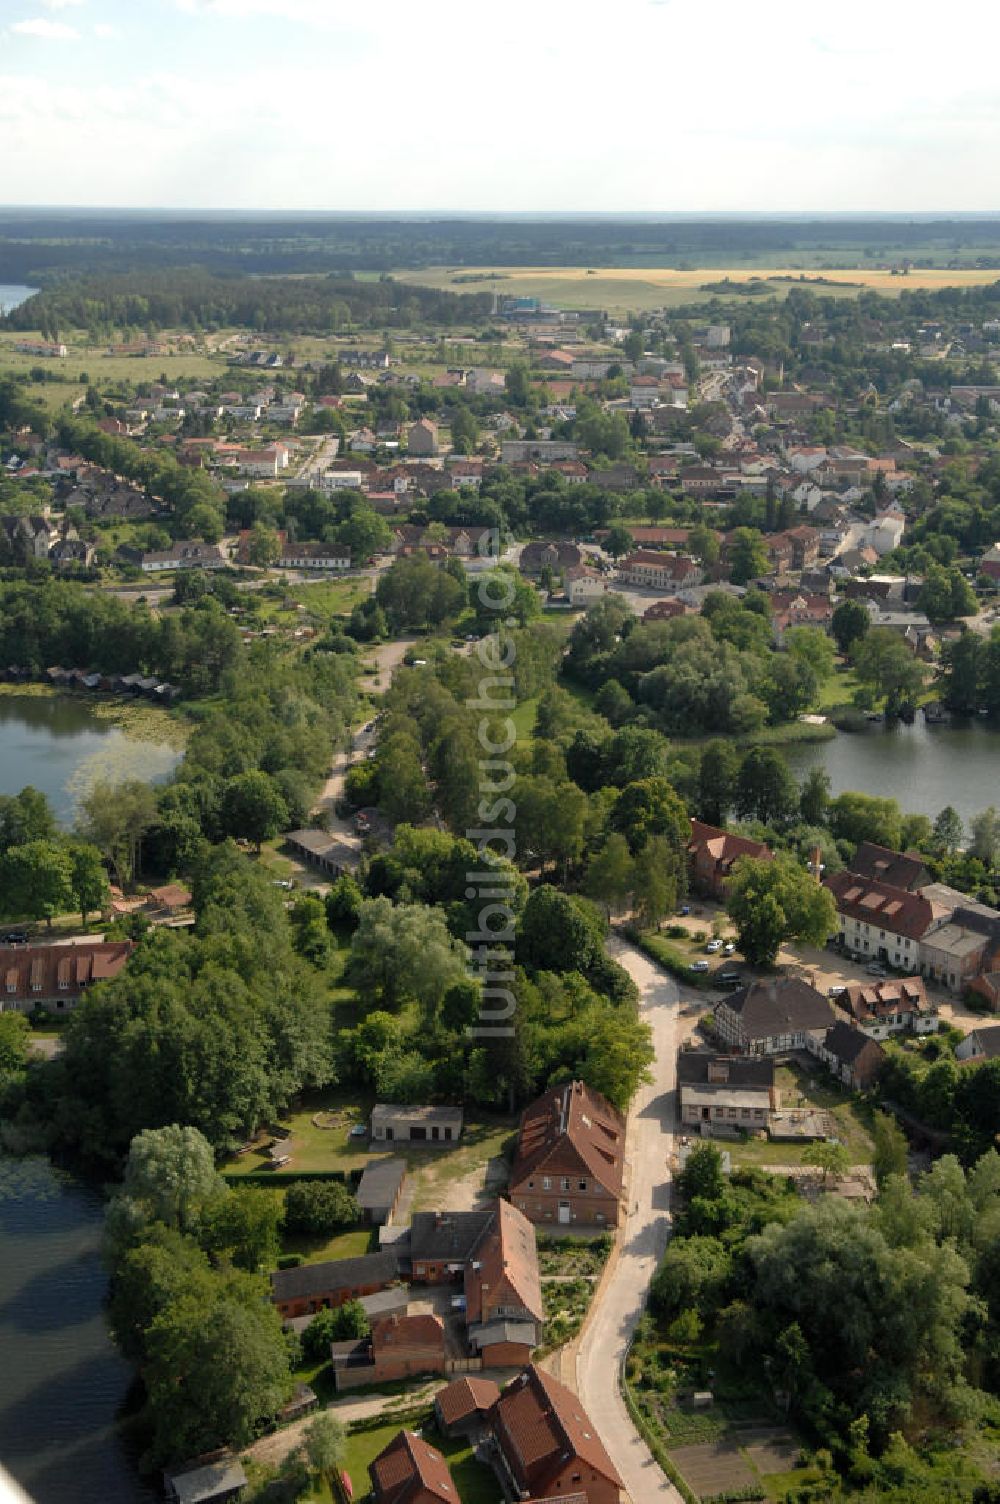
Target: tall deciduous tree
772, 901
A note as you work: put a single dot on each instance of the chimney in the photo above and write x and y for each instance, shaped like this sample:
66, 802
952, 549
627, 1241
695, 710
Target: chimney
816, 863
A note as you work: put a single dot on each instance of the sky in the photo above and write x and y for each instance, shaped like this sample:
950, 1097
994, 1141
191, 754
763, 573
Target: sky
516, 105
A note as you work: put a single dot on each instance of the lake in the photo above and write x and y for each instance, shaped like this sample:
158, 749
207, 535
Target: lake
62, 1383
58, 745
924, 767
12, 293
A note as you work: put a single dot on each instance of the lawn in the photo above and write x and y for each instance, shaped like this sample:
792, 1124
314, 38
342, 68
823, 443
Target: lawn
476, 1483
342, 1245
813, 1088
313, 1147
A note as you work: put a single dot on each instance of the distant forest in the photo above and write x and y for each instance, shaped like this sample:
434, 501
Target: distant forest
196, 299
37, 246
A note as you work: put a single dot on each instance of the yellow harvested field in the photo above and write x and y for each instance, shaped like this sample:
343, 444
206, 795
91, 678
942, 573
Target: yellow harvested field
623, 288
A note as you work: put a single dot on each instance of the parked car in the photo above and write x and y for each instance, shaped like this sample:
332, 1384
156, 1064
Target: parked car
358, 1130
684, 910
16, 937
876, 969
729, 949
713, 946
284, 882
699, 965
836, 992
729, 978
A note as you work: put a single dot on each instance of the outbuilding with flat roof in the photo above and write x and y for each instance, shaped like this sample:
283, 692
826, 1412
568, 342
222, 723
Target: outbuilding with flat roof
392, 1123
379, 1189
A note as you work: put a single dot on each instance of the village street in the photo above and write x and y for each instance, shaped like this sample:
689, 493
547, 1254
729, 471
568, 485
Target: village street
643, 1239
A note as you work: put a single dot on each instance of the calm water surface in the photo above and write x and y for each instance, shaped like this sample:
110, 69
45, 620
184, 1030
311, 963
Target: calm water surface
12, 293
62, 1383
924, 767
58, 745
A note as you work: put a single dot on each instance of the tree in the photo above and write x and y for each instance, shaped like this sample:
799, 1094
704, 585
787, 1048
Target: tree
405, 951
889, 1156
115, 819
985, 842
702, 1174
651, 807
849, 624
855, 817
25, 817
147, 1278
887, 668
703, 543
346, 1323
765, 788
241, 1227
217, 1367
812, 646
170, 1173
557, 933
610, 873
325, 1445
948, 830
253, 808
717, 777
14, 1032
37, 879
814, 796
747, 555
618, 541
657, 879
776, 900
691, 1277
319, 1207
88, 879
263, 547
833, 1159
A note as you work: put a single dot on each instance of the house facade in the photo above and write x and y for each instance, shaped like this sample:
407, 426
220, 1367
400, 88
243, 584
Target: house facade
503, 1294
191, 553
773, 1016
854, 1057
546, 1445
878, 921
569, 1164
55, 977
392, 1123
310, 1287
712, 854
659, 571
890, 1006
728, 1091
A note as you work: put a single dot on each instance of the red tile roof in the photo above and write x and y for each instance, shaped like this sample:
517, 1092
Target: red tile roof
463, 1396
407, 1467
545, 1427
505, 1256
890, 908
29, 973
571, 1128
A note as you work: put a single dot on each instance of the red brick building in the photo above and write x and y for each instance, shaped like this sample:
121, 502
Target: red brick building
408, 1471
712, 854
570, 1158
55, 976
307, 1289
503, 1294
547, 1444
463, 1405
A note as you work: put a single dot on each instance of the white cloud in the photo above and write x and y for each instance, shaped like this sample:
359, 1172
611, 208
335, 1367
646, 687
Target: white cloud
59, 4
49, 31
106, 31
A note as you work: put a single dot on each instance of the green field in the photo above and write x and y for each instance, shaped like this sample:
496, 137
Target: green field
622, 289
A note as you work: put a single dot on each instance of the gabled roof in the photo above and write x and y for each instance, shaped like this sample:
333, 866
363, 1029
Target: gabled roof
398, 1332
988, 1040
847, 1044
451, 1236
546, 1426
902, 869
464, 1397
572, 1127
867, 1001
779, 1005
879, 903
407, 1467
506, 1253
723, 845
335, 1274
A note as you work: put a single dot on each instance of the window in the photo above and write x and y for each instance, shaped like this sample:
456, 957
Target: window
531, 1185
581, 1185
564, 1183
731, 1112
719, 1111
546, 1182
11, 986
758, 1112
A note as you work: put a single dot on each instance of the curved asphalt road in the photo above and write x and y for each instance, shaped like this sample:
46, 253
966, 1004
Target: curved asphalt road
643, 1239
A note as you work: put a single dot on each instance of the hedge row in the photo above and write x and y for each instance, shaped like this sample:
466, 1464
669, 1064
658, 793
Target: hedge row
668, 956
660, 1454
287, 1177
